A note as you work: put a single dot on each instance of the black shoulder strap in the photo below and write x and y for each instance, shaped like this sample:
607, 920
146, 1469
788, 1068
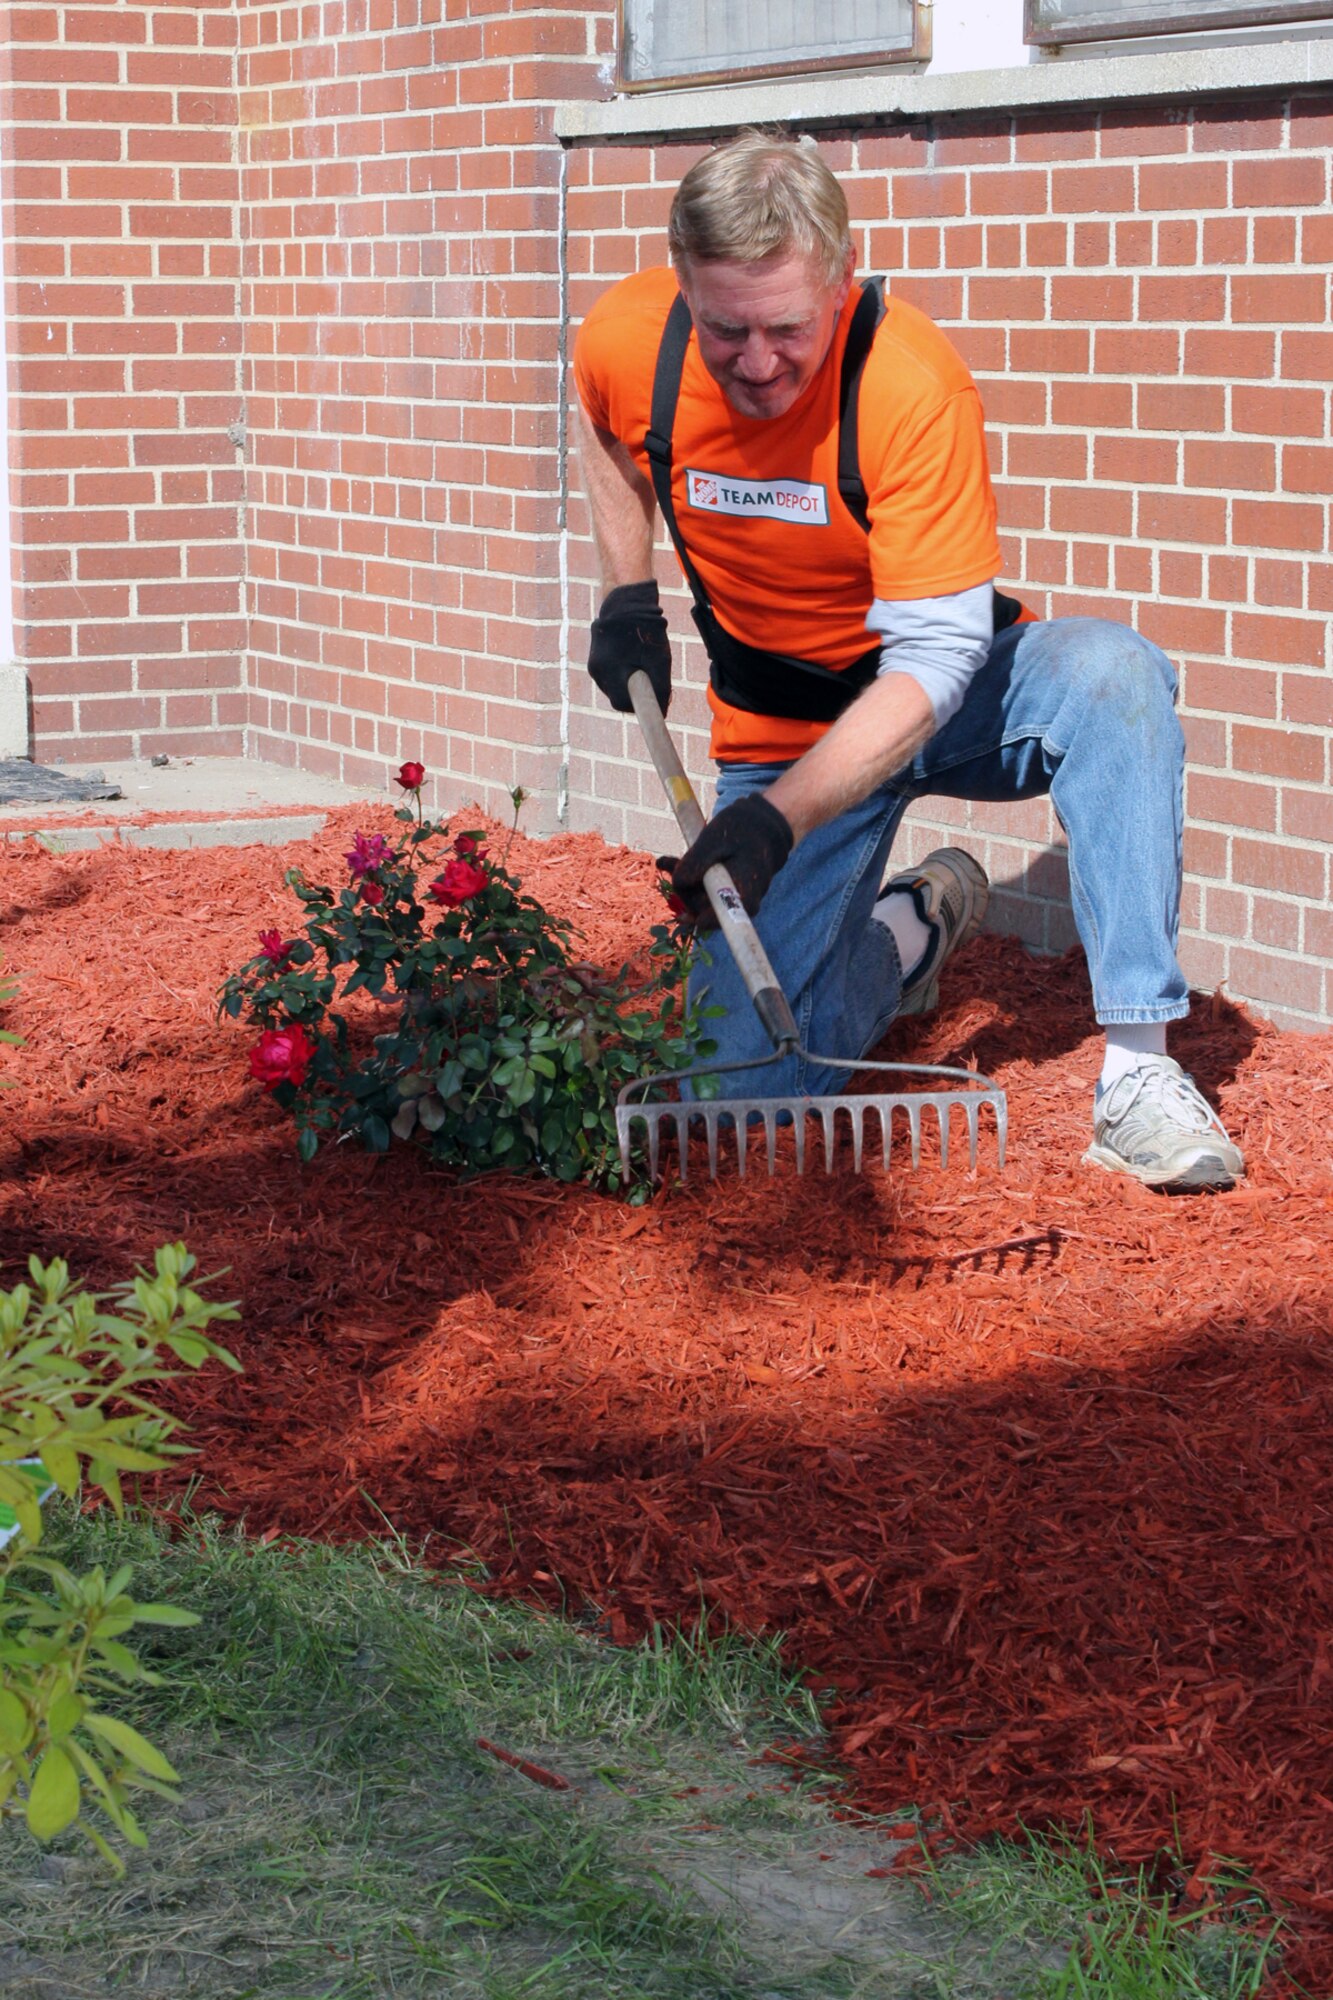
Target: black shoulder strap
662, 424
860, 338
666, 394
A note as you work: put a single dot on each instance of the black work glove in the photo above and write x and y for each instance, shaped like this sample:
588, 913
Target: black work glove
630, 632
751, 838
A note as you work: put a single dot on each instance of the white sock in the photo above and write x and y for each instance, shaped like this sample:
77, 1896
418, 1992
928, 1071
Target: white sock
912, 936
1126, 1041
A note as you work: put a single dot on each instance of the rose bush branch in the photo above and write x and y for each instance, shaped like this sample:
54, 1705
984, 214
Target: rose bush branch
507, 1050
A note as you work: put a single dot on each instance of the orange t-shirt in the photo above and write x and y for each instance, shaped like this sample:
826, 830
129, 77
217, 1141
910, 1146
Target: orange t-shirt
785, 565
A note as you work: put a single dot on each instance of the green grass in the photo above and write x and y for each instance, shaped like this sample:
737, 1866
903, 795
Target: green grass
1129, 1944
342, 1837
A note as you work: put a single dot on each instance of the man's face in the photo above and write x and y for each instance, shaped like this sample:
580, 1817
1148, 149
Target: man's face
763, 329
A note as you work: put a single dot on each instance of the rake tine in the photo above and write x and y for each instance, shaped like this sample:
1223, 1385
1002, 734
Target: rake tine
914, 1127
742, 1145
798, 1124
973, 1115
858, 1139
827, 1120
885, 1132
680, 1125
942, 1113
711, 1128
771, 1140
1001, 1124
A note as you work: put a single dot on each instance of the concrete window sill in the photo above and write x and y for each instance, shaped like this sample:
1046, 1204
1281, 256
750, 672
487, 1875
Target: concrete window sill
897, 96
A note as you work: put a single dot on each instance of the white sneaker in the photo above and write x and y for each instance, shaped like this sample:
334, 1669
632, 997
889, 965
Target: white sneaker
1154, 1124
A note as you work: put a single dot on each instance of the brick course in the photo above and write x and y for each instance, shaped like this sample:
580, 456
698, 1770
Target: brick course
289, 285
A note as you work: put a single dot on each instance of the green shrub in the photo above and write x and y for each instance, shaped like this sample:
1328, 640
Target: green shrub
73, 1369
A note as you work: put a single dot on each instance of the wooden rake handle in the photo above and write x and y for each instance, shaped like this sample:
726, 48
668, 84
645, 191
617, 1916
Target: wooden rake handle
734, 922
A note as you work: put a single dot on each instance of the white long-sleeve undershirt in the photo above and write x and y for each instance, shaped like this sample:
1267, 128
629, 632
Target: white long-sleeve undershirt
941, 642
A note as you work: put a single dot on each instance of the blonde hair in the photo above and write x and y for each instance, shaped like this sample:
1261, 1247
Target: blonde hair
760, 196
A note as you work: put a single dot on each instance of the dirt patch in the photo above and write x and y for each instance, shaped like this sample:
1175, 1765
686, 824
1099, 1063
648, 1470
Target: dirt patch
1036, 1469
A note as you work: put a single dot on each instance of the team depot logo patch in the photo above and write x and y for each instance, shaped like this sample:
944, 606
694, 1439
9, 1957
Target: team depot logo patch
773, 499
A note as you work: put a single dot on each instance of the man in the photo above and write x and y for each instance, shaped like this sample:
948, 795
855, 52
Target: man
822, 470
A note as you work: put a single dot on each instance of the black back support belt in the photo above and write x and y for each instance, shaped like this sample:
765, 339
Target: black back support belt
759, 682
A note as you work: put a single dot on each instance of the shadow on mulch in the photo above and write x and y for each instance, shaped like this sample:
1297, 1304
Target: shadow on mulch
1046, 1014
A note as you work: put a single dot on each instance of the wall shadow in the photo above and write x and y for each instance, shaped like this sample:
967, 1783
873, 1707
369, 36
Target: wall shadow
1001, 1003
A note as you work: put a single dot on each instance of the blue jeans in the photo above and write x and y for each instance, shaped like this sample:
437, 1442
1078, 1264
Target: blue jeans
1077, 707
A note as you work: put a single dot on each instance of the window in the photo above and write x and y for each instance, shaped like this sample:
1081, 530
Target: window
709, 41
1103, 20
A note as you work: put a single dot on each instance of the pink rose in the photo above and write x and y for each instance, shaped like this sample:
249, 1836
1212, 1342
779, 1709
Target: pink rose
282, 1056
274, 947
460, 880
369, 851
412, 777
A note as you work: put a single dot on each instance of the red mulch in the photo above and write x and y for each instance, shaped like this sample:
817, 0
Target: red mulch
1034, 1469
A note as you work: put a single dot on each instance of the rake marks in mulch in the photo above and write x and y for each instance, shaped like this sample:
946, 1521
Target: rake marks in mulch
1036, 1469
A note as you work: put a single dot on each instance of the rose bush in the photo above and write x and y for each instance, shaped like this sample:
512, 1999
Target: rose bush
506, 1050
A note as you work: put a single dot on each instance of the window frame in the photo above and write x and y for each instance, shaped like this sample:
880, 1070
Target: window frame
1246, 14
919, 52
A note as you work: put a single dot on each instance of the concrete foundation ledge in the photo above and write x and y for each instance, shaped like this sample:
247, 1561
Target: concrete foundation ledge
188, 802
14, 734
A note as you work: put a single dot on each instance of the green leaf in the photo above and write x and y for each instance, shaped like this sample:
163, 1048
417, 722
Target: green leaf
307, 1144
96, 1777
15, 1723
131, 1745
65, 1713
108, 1854
164, 1614
116, 1658
53, 1800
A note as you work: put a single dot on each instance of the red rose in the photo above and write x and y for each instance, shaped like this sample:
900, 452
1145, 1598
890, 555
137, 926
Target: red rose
412, 777
460, 880
274, 947
372, 893
282, 1056
467, 845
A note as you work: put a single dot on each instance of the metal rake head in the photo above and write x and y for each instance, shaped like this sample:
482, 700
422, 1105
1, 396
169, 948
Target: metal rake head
833, 1118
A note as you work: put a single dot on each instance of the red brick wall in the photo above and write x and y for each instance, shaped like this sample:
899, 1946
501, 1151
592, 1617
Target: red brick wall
349, 221
1144, 298
119, 190
403, 310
